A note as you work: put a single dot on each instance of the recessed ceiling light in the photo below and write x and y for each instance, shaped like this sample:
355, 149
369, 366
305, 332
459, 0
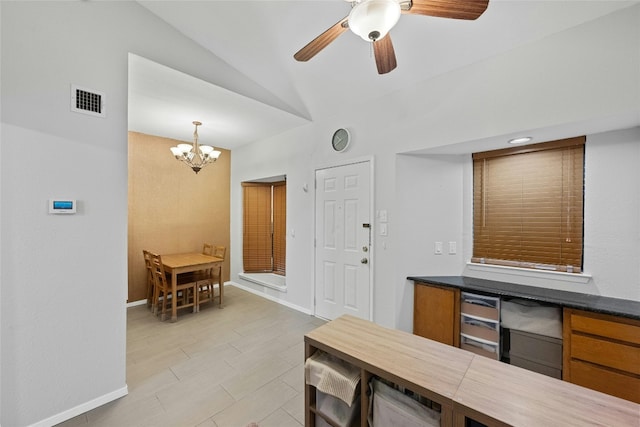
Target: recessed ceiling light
520, 140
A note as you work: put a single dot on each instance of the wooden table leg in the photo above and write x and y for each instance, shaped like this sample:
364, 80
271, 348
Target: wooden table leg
221, 284
174, 296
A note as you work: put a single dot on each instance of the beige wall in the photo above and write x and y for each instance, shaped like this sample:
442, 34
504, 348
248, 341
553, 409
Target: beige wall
171, 209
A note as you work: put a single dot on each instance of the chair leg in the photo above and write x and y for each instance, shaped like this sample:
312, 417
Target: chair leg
154, 300
196, 298
165, 298
149, 294
221, 286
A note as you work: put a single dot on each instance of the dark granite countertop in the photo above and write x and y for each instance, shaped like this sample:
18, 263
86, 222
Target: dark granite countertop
595, 303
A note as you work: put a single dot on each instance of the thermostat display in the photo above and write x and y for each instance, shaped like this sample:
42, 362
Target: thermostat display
62, 206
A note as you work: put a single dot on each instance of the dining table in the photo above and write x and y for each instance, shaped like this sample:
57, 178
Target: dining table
175, 264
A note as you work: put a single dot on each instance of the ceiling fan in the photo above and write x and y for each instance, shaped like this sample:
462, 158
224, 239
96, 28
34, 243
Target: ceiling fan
372, 20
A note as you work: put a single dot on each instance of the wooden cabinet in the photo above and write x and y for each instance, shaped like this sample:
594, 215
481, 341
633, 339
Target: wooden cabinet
436, 313
602, 352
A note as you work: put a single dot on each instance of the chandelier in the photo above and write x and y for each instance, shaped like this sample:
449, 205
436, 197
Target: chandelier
196, 156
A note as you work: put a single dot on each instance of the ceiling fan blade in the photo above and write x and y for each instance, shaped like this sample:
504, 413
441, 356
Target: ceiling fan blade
320, 42
455, 9
385, 55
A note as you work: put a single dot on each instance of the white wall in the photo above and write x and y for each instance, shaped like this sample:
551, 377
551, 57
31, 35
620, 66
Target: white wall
581, 81
429, 210
612, 213
63, 279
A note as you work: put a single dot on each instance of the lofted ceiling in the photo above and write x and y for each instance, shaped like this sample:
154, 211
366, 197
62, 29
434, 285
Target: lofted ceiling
257, 39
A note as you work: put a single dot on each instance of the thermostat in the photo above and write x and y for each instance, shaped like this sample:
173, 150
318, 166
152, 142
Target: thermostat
62, 206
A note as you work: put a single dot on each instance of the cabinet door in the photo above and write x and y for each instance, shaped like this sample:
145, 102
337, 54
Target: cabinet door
436, 313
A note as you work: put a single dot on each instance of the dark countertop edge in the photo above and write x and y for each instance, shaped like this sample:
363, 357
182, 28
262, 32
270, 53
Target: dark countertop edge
595, 303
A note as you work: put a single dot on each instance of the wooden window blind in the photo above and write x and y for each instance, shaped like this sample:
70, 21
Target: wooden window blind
256, 250
528, 206
279, 228
264, 227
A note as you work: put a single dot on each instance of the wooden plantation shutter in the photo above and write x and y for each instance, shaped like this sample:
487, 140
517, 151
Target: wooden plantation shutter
528, 206
279, 227
257, 244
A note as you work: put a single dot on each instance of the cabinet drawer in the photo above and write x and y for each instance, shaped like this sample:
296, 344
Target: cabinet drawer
536, 348
481, 328
536, 367
480, 306
606, 328
606, 353
480, 346
605, 381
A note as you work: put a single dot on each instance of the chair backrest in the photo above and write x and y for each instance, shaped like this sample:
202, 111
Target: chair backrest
157, 269
220, 252
147, 263
207, 249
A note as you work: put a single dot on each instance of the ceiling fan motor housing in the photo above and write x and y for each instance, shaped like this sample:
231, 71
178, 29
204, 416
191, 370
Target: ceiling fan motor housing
372, 19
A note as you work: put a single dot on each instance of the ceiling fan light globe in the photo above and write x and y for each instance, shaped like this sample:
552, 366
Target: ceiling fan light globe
372, 19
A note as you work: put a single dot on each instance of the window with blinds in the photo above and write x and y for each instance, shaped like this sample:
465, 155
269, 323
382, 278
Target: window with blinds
264, 227
528, 206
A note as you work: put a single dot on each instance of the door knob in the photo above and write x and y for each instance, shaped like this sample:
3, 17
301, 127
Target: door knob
365, 249
364, 261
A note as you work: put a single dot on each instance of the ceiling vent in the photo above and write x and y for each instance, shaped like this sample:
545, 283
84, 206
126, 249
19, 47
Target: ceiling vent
87, 101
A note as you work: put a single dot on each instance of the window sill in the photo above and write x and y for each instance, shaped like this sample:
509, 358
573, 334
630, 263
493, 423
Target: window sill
559, 276
268, 280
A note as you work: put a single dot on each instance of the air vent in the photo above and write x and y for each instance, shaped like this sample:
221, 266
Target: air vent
87, 101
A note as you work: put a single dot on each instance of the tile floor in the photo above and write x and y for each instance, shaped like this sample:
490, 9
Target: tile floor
216, 368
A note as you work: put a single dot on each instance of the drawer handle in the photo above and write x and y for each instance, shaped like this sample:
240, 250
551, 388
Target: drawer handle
485, 347
480, 323
479, 302
479, 342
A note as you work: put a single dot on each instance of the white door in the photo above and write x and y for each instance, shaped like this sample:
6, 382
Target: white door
342, 252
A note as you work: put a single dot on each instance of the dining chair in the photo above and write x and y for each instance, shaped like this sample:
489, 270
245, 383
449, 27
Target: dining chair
151, 288
186, 289
207, 249
206, 289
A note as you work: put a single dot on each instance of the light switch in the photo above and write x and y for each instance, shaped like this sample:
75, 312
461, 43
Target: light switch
438, 248
383, 229
383, 216
452, 248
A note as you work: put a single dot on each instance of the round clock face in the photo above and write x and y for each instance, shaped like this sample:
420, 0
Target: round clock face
340, 140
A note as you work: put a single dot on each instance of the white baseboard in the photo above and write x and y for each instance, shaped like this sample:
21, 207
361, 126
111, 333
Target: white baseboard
270, 298
81, 409
136, 303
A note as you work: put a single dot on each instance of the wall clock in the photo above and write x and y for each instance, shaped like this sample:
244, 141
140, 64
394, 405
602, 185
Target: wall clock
340, 140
